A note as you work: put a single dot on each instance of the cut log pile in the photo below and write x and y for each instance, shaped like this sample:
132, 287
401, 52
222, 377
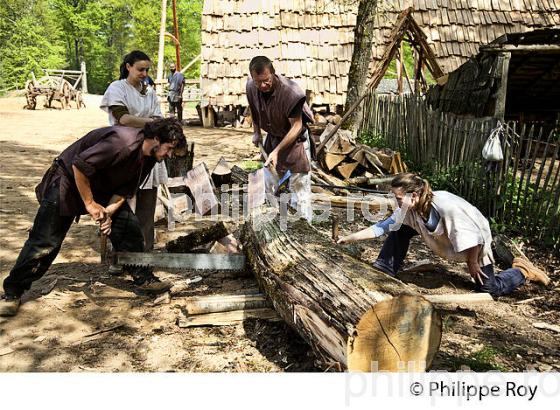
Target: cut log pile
345, 158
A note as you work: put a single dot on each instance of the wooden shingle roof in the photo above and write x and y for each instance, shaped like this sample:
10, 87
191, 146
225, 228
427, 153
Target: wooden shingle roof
311, 41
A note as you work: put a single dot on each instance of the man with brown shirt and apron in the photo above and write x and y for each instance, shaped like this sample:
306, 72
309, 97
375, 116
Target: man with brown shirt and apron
278, 107
95, 175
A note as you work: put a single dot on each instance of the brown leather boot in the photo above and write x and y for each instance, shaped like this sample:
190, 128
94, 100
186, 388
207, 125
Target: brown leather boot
530, 271
9, 305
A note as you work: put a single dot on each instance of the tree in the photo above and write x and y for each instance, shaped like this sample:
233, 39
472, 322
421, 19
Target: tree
60, 34
29, 41
361, 58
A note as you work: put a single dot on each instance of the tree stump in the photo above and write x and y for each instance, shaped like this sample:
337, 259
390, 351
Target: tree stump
353, 316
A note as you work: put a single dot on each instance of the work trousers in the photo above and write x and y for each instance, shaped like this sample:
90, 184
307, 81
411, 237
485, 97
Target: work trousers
48, 232
395, 248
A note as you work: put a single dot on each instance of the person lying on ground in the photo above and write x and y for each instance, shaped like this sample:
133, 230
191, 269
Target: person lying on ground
95, 175
450, 226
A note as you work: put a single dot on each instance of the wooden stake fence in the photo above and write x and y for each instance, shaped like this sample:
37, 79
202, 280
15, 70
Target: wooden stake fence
522, 192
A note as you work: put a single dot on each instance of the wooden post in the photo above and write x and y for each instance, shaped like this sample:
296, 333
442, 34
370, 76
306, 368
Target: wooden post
161, 39
208, 117
84, 77
500, 109
177, 43
400, 64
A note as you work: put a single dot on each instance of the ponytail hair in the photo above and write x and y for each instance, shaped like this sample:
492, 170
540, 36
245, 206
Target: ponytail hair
410, 183
131, 58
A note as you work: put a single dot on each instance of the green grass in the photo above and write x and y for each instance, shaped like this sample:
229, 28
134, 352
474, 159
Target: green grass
251, 166
481, 361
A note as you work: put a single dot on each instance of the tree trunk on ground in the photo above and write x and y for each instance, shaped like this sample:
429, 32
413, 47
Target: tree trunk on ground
353, 316
361, 59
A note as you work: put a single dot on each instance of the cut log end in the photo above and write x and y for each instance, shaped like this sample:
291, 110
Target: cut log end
399, 334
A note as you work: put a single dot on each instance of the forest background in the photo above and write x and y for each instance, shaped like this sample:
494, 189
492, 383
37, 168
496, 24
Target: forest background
59, 34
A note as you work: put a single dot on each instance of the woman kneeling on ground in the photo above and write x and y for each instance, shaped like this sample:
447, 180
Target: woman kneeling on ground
453, 228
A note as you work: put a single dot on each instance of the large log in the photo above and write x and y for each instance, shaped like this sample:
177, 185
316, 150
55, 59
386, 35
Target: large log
353, 316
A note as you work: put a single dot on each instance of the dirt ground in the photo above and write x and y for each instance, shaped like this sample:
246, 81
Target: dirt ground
78, 318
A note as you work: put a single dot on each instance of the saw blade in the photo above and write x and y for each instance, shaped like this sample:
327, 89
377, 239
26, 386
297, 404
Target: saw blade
194, 261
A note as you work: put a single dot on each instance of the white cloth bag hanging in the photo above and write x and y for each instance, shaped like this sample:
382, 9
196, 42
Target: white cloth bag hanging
492, 150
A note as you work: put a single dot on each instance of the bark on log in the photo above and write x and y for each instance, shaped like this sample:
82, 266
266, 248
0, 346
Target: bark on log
197, 238
239, 176
352, 315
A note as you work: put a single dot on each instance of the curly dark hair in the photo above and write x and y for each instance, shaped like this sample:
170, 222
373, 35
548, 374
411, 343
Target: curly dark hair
167, 130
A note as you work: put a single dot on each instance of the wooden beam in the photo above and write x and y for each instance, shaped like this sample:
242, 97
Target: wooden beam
199, 182
227, 318
500, 108
460, 298
378, 72
542, 48
198, 305
421, 39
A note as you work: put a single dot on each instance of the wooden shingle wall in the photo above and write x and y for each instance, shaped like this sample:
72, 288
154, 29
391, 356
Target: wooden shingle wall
312, 41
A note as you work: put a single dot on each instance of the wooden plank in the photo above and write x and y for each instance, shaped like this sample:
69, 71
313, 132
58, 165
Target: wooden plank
256, 194
516, 209
197, 305
535, 189
546, 204
227, 318
511, 211
460, 298
372, 203
199, 182
500, 108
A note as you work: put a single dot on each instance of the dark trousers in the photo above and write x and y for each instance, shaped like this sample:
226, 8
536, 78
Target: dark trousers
145, 209
395, 248
46, 237
176, 106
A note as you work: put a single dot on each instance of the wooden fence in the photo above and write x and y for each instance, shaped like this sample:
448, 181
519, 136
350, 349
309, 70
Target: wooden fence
521, 193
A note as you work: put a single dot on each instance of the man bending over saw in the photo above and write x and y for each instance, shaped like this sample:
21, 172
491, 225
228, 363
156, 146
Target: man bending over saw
93, 176
278, 106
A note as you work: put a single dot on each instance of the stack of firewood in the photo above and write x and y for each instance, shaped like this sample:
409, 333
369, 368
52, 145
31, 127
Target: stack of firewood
345, 158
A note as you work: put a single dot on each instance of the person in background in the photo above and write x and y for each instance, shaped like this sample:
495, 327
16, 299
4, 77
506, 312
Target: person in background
452, 227
129, 101
176, 81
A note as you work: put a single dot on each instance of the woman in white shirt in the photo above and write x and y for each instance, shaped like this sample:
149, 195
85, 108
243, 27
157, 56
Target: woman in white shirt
450, 226
130, 102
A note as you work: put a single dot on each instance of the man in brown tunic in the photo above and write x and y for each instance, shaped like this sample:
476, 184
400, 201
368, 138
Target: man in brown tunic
278, 107
94, 175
